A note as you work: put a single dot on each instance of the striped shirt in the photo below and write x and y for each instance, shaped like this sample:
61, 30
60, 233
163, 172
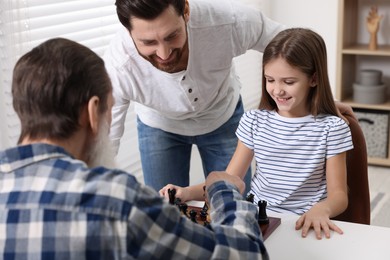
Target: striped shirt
291, 156
53, 206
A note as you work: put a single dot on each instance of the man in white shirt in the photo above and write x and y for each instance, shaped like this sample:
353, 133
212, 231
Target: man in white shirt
174, 59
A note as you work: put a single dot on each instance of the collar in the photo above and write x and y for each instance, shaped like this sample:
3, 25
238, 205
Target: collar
20, 156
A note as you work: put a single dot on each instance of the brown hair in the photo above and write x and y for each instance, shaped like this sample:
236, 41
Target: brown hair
305, 50
145, 9
52, 84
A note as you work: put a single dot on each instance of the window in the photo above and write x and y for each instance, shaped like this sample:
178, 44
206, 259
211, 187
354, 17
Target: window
25, 24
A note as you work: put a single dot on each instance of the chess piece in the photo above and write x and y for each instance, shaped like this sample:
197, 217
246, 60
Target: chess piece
205, 207
263, 218
171, 195
193, 214
183, 208
250, 197
373, 20
203, 215
177, 201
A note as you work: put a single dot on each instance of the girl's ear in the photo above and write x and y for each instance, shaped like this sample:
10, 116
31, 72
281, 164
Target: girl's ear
314, 80
93, 114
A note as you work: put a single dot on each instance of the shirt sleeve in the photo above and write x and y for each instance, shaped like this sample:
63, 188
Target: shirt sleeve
121, 92
118, 115
339, 138
160, 232
253, 29
244, 131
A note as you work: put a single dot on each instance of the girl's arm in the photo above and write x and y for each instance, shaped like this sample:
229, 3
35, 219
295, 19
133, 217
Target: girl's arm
318, 217
194, 192
238, 166
241, 160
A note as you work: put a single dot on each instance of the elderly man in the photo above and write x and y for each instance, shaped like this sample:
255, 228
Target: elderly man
57, 203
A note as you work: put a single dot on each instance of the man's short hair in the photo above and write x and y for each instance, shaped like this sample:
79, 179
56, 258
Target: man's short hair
145, 9
53, 83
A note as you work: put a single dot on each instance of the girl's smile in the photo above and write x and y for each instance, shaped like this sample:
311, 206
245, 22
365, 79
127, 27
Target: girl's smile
289, 88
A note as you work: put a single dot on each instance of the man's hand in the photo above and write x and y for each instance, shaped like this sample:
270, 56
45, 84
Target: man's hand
343, 110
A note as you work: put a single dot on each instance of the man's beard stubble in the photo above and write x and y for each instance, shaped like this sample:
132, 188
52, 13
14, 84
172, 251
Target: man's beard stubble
102, 152
178, 64
170, 67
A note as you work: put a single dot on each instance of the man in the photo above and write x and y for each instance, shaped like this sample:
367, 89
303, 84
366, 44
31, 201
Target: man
56, 205
174, 59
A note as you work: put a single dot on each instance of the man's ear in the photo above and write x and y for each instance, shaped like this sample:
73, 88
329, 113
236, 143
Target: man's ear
93, 114
187, 11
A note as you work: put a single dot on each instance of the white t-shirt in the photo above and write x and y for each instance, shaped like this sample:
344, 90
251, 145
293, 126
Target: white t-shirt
290, 156
203, 97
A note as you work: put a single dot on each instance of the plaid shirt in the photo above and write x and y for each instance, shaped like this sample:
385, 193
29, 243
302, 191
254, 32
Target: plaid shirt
53, 206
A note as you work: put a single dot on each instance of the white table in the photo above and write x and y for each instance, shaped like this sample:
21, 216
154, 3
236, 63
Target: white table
357, 242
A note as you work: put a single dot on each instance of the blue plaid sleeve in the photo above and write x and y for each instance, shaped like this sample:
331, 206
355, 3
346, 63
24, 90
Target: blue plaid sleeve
159, 231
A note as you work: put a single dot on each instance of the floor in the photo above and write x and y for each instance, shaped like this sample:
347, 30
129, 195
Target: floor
379, 182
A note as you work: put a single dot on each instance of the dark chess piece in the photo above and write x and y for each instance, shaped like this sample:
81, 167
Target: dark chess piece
205, 207
263, 218
171, 195
250, 197
203, 215
193, 215
183, 208
177, 201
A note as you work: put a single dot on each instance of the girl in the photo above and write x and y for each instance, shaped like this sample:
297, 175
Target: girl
298, 140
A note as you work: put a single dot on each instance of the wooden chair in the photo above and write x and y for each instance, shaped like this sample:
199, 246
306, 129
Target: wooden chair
358, 210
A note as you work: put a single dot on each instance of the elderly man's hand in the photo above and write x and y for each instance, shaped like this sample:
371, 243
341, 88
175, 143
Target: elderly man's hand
218, 176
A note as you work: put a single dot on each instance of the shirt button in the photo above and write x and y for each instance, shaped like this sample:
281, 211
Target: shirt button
190, 90
196, 99
184, 77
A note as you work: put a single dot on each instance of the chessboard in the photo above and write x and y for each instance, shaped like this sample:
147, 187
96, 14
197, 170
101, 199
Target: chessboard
266, 228
201, 215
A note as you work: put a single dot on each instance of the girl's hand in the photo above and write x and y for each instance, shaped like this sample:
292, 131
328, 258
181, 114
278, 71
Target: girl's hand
318, 219
181, 192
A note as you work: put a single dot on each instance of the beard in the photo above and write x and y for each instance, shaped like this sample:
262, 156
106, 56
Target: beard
101, 152
173, 66
169, 67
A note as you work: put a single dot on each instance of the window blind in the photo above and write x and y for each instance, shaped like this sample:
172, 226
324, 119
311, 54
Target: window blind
25, 24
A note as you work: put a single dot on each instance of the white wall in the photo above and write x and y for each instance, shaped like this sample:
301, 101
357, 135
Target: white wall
319, 15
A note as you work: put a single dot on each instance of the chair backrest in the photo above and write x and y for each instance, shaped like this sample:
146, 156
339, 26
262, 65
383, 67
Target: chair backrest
358, 210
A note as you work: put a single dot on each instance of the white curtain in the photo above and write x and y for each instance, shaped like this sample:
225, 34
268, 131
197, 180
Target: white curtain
27, 23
